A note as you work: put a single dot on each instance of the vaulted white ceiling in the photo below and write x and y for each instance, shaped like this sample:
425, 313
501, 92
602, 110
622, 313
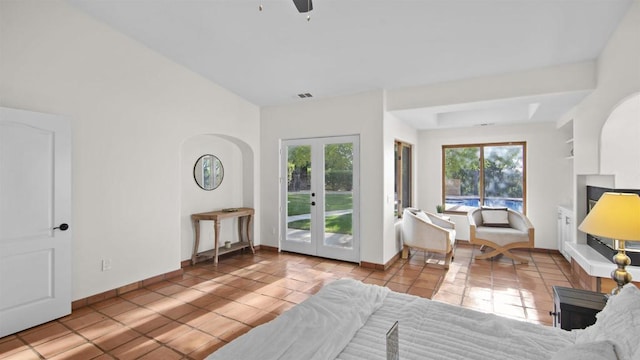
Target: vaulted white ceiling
351, 46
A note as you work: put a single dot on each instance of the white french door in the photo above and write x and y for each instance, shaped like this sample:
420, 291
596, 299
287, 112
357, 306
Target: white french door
320, 197
35, 209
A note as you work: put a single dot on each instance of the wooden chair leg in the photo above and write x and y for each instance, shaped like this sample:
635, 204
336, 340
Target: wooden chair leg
515, 257
488, 255
447, 260
502, 251
405, 251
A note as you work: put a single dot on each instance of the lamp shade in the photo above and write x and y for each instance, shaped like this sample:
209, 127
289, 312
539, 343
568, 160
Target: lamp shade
615, 216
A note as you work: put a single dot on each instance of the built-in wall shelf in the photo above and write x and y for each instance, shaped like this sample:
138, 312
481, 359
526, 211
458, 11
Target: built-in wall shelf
567, 131
569, 143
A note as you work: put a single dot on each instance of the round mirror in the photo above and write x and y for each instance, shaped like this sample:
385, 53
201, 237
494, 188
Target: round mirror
208, 172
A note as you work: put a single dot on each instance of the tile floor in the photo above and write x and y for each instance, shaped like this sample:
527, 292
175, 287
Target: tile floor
191, 316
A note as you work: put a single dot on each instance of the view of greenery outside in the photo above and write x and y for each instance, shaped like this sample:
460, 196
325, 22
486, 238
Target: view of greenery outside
299, 203
502, 179
462, 171
503, 172
402, 173
341, 224
206, 173
338, 186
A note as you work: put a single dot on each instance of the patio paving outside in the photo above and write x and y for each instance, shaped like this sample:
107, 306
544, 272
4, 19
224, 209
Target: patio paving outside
331, 239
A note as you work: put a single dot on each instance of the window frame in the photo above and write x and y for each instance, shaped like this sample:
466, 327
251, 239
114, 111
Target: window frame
482, 146
398, 148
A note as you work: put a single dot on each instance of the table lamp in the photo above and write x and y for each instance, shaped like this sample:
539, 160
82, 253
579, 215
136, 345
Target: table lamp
616, 216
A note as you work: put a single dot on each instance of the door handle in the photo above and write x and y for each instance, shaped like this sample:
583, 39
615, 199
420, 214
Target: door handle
62, 227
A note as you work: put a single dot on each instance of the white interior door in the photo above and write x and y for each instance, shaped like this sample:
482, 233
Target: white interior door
35, 209
320, 197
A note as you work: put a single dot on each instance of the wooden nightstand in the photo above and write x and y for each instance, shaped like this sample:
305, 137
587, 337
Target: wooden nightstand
575, 308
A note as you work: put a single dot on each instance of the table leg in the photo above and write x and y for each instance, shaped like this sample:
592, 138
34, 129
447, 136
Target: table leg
240, 237
249, 217
196, 242
216, 232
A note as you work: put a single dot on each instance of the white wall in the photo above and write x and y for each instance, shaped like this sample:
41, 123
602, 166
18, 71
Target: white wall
618, 78
359, 114
567, 78
546, 171
195, 200
395, 129
130, 110
620, 153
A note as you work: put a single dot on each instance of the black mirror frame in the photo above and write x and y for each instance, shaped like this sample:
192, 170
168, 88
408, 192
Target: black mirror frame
195, 167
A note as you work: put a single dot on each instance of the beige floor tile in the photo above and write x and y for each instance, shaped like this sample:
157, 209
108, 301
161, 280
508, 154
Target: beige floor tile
190, 341
12, 347
44, 333
60, 345
135, 348
162, 353
422, 292
82, 352
27, 354
116, 338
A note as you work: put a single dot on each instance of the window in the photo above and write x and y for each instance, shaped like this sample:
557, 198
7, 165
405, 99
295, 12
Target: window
484, 175
403, 173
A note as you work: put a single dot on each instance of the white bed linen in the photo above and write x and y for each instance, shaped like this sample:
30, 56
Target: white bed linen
348, 320
317, 329
434, 330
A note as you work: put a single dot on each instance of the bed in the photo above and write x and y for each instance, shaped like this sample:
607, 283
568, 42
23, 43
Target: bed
348, 320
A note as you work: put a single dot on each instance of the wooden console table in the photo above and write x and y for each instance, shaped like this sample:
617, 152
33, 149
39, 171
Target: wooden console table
244, 215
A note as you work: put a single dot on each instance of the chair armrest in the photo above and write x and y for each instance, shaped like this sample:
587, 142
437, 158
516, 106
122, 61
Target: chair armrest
429, 226
438, 221
437, 229
417, 232
475, 217
519, 221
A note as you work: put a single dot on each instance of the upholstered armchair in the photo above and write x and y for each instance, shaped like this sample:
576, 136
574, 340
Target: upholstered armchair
502, 230
427, 232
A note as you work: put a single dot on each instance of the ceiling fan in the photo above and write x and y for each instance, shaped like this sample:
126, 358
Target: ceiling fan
303, 6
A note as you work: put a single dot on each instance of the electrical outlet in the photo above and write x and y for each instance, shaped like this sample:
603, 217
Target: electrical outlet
106, 264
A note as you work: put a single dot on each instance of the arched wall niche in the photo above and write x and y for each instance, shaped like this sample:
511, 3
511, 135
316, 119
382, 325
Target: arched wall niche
620, 144
236, 189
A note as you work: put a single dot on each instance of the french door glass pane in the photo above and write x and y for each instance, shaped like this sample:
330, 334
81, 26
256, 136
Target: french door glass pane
299, 193
338, 200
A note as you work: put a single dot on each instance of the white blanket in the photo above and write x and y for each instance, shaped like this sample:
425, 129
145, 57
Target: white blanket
318, 329
434, 330
348, 320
